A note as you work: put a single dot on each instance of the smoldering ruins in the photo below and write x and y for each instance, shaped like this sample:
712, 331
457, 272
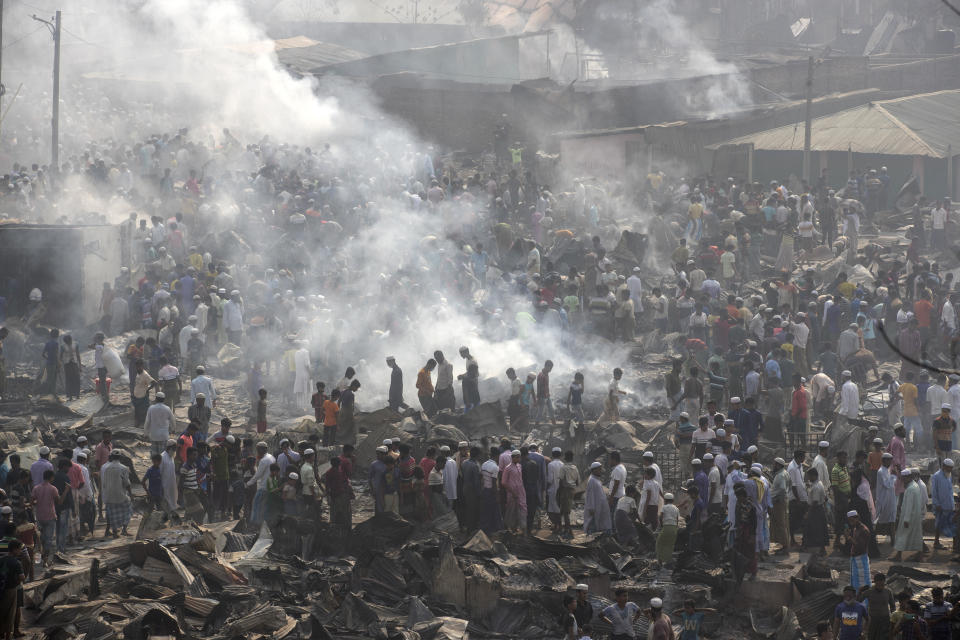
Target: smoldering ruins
250, 197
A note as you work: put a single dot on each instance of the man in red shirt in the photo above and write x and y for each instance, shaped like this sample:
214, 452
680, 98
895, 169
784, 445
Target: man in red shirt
346, 461
798, 412
922, 310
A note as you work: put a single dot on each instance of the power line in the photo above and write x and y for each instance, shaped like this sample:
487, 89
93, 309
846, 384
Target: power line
913, 361
10, 44
951, 7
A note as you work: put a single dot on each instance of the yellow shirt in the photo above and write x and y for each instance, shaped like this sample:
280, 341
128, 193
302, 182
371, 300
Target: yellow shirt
695, 211
908, 391
846, 289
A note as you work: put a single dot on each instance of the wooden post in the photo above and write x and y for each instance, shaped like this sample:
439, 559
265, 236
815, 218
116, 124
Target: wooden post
950, 176
93, 592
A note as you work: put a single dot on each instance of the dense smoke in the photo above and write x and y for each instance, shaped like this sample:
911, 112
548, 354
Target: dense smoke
393, 282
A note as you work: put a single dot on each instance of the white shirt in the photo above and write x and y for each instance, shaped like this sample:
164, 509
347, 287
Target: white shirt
939, 218
635, 285
953, 397
796, 480
232, 316
489, 472
619, 472
204, 385
717, 490
98, 356
159, 423
263, 472
801, 332
849, 399
450, 479
823, 473
670, 514
656, 470
936, 396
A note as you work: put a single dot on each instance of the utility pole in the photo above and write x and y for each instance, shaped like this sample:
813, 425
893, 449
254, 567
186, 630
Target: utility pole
807, 132
54, 27
1, 56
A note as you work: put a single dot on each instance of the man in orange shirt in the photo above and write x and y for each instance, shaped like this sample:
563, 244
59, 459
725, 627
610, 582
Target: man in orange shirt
911, 411
425, 388
330, 411
922, 310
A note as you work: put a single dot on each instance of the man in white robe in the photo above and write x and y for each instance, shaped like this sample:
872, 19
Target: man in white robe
596, 509
909, 527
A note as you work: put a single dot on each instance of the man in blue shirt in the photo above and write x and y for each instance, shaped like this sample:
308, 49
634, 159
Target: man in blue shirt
941, 494
849, 617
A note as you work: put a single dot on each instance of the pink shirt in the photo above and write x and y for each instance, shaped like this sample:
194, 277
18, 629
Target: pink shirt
505, 459
46, 496
512, 482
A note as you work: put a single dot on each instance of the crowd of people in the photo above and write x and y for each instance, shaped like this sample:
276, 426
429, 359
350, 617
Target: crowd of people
256, 252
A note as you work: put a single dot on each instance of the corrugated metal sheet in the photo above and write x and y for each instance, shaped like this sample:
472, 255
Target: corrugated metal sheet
921, 125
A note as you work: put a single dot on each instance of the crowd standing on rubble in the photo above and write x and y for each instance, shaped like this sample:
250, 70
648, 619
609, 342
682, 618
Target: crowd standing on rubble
762, 354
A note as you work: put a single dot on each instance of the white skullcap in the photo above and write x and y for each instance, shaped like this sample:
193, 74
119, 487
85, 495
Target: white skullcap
906, 472
887, 454
82, 439
728, 422
780, 461
230, 439
389, 442
284, 441
852, 514
873, 427
668, 496
516, 452
582, 587
877, 441
81, 455
831, 389
696, 461
557, 450
293, 475
708, 456
43, 450
173, 443
446, 449
202, 396
462, 444
656, 603
381, 449
945, 405
595, 465
648, 454
823, 444
756, 466
160, 395
752, 448
6, 509
235, 292
684, 414
261, 445
735, 400
846, 372
721, 433
308, 452
948, 462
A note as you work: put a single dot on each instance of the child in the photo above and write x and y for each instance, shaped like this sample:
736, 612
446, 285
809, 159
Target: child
289, 494
261, 411
575, 398
45, 499
316, 401
249, 470
154, 480
691, 619
237, 494
330, 410
26, 533
274, 499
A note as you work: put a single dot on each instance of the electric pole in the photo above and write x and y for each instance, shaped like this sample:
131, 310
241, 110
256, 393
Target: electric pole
807, 133
54, 27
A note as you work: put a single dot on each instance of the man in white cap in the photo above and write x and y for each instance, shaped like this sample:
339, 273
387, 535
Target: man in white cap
184, 337
648, 461
159, 424
941, 490
715, 484
259, 480
584, 611
886, 501
115, 478
909, 526
203, 384
596, 509
779, 496
944, 428
515, 506
554, 478
822, 390
302, 383
622, 615
661, 627
81, 445
858, 535
936, 397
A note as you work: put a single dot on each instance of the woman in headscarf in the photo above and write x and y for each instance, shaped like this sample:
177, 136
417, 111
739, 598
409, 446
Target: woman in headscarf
70, 362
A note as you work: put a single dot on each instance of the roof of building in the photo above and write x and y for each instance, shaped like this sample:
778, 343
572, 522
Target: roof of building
918, 125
